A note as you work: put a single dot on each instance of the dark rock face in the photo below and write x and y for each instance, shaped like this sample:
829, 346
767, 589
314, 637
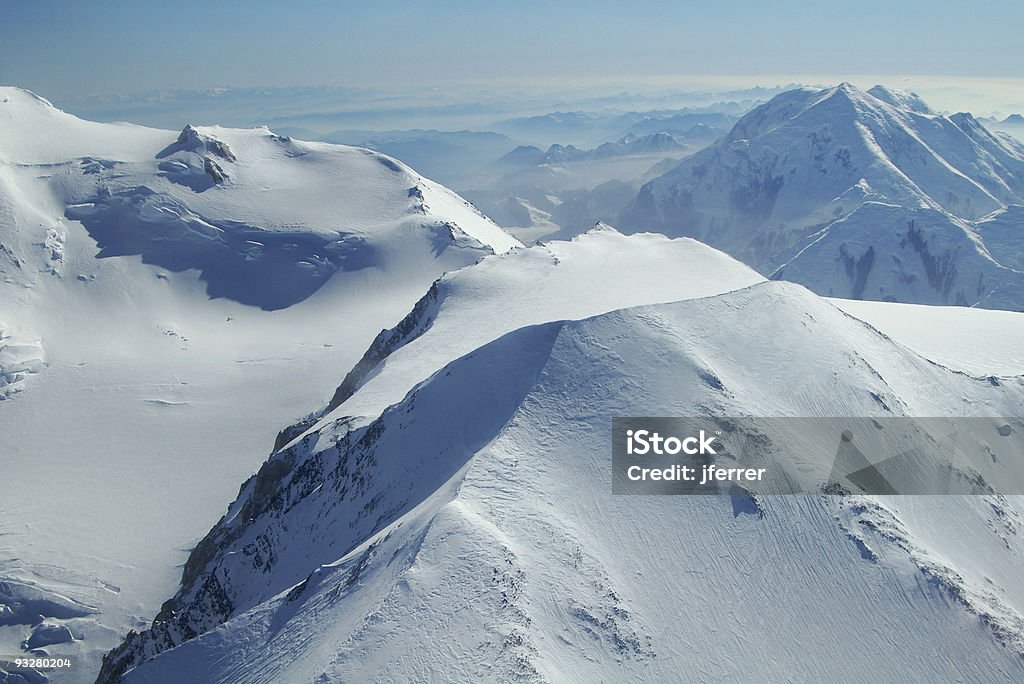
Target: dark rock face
192, 140
354, 486
412, 326
857, 269
941, 271
47, 635
216, 172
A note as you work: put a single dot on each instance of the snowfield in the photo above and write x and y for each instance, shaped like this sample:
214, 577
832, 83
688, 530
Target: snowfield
449, 515
147, 376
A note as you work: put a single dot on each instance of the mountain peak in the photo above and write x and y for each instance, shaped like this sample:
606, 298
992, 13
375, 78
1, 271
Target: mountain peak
16, 95
847, 92
193, 140
804, 165
965, 119
602, 227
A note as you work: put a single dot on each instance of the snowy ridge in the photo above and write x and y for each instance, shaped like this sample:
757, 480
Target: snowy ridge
595, 272
165, 280
467, 528
797, 183
1001, 232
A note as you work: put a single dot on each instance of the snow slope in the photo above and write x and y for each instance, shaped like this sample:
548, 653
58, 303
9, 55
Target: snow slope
449, 516
858, 194
237, 274
596, 272
979, 342
243, 206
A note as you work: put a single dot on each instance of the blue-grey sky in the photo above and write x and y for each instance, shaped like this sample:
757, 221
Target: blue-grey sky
65, 49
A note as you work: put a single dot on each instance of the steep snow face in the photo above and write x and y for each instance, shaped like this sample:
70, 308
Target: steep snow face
147, 375
594, 273
469, 531
886, 252
1003, 235
901, 99
267, 220
807, 159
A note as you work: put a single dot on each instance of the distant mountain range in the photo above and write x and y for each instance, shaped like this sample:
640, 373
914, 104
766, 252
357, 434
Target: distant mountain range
591, 128
863, 194
652, 143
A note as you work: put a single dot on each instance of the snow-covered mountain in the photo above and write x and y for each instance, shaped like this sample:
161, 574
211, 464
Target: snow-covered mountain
241, 206
168, 300
449, 514
862, 194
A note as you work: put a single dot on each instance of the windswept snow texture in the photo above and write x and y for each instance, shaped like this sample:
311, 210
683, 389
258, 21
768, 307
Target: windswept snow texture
266, 219
167, 302
596, 272
457, 522
861, 195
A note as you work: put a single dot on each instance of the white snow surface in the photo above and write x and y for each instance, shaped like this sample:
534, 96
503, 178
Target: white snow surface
137, 396
595, 272
467, 531
979, 342
275, 183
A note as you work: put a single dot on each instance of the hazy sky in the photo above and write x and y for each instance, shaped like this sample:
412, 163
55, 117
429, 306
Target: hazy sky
62, 49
